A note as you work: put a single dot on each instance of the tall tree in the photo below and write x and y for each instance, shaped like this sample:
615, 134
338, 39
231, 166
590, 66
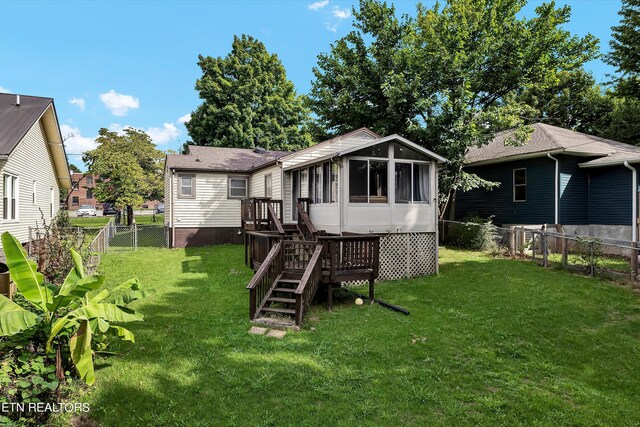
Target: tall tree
625, 50
129, 167
248, 101
444, 78
74, 168
574, 102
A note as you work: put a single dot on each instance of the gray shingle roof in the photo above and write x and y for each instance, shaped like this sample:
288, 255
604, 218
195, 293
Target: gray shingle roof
15, 120
553, 139
222, 159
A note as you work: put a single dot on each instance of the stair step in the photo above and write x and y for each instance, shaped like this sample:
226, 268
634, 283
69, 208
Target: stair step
297, 282
290, 290
278, 299
279, 310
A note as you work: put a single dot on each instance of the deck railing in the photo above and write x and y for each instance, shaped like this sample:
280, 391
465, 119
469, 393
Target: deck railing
305, 225
274, 222
351, 257
264, 279
259, 245
256, 210
308, 284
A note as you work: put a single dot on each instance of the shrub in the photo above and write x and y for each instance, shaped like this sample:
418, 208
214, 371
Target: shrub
474, 233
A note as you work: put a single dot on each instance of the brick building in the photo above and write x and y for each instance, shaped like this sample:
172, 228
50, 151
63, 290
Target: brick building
82, 191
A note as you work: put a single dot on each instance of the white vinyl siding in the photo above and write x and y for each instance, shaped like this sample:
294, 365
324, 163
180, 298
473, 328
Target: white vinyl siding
257, 182
308, 155
30, 161
167, 197
210, 207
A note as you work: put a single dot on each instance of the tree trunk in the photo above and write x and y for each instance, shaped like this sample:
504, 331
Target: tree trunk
129, 215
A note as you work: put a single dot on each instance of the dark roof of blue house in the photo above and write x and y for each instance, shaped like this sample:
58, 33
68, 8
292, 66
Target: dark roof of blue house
547, 139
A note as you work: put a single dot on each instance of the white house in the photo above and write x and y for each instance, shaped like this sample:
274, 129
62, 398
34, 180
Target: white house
359, 182
33, 164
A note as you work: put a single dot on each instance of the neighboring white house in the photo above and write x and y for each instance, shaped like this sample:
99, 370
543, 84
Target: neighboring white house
359, 182
33, 164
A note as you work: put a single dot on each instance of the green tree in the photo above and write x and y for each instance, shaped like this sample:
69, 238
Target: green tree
74, 168
248, 101
445, 78
129, 167
625, 52
574, 102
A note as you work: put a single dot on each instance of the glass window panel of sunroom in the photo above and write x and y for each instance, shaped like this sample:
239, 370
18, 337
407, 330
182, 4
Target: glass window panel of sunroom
358, 181
378, 182
403, 182
421, 182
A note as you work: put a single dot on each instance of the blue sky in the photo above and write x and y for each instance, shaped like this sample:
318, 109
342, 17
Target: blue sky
133, 63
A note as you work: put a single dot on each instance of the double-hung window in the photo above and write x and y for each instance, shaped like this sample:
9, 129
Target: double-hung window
238, 187
186, 186
520, 185
10, 197
268, 189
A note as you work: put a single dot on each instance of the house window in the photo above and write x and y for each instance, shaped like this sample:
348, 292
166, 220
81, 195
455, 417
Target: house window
89, 180
312, 184
412, 182
368, 181
10, 197
326, 182
238, 186
186, 186
75, 201
318, 186
519, 185
33, 193
334, 183
268, 189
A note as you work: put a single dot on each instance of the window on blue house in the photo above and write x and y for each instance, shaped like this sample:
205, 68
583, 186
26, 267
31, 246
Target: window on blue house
519, 185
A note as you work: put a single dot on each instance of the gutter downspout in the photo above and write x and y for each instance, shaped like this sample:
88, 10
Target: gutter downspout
634, 200
556, 188
171, 221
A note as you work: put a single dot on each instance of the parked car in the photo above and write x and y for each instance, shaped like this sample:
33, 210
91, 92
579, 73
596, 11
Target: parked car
86, 210
109, 209
160, 208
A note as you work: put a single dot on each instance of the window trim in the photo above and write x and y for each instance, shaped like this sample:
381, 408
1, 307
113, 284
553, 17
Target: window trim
238, 177
193, 186
368, 160
268, 177
519, 185
412, 162
13, 202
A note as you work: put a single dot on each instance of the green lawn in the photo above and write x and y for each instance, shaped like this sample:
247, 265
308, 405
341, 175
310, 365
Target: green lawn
489, 341
101, 221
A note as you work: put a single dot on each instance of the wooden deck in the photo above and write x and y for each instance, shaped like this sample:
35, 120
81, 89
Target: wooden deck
291, 261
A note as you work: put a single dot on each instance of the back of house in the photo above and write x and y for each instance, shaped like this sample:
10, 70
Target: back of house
33, 163
585, 184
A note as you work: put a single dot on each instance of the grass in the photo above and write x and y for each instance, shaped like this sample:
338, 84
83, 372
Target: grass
101, 221
489, 341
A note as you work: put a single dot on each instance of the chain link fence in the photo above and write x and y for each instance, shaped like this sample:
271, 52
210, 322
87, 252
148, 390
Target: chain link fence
549, 247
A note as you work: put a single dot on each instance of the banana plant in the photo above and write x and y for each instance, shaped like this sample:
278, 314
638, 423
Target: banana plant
70, 313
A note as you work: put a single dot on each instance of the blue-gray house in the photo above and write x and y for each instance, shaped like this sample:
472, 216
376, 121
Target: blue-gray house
585, 183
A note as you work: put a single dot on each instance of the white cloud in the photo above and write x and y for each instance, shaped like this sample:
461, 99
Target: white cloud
159, 135
341, 13
4, 90
163, 135
318, 5
184, 119
79, 102
74, 142
119, 104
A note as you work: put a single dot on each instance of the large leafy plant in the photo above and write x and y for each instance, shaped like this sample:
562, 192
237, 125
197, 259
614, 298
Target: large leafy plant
72, 316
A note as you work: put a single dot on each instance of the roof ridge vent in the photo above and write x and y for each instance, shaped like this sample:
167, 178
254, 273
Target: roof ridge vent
17, 100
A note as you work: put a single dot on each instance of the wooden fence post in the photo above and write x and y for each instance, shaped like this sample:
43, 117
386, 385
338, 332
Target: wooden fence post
634, 261
565, 250
512, 241
545, 252
558, 240
593, 267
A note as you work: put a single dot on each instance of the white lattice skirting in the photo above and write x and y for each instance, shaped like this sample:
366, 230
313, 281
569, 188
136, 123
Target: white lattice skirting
407, 255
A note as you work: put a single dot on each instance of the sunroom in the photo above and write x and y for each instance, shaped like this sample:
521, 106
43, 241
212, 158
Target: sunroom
384, 185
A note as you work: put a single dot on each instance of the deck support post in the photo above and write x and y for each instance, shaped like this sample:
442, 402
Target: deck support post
329, 296
371, 291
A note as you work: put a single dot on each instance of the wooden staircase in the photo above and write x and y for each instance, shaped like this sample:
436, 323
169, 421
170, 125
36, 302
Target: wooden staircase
291, 261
